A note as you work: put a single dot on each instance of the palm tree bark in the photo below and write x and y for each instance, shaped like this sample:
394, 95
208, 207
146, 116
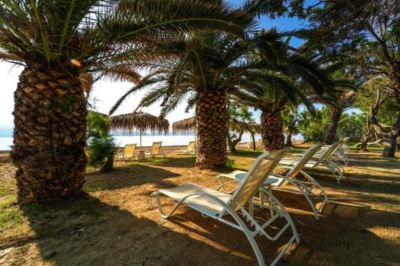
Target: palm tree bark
272, 130
212, 129
332, 129
49, 134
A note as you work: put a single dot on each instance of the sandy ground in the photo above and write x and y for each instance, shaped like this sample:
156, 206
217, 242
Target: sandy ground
117, 223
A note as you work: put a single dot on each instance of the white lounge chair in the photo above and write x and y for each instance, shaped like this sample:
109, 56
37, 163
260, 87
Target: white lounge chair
342, 151
218, 205
306, 188
321, 158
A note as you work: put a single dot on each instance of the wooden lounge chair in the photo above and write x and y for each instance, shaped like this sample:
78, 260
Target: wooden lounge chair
307, 189
128, 153
191, 148
220, 205
156, 149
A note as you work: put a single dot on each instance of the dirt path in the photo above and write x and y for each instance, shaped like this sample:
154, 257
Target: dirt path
117, 223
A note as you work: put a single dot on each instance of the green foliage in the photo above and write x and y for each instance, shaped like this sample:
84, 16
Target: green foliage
388, 112
352, 126
100, 34
314, 127
290, 119
239, 114
388, 108
101, 145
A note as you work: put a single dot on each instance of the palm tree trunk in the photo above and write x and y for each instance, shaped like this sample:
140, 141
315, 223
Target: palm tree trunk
253, 140
212, 129
332, 129
272, 130
49, 134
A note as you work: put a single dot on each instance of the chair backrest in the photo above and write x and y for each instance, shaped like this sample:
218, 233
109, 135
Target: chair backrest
191, 146
259, 171
299, 165
326, 151
156, 148
341, 143
129, 150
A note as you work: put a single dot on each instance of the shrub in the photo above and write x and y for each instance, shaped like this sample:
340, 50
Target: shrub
101, 145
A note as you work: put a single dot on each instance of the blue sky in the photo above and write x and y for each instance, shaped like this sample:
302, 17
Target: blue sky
105, 93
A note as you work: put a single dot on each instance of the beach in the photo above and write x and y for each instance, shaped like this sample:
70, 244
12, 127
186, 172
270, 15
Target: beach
147, 140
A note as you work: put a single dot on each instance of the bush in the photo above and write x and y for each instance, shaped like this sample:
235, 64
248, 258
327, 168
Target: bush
101, 145
314, 127
352, 126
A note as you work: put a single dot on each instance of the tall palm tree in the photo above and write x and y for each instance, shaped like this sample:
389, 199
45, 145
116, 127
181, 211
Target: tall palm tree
283, 76
208, 67
58, 41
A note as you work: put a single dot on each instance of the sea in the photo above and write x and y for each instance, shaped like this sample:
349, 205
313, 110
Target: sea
147, 140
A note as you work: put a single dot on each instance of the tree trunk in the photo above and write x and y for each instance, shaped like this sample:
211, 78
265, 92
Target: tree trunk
49, 134
212, 129
253, 140
233, 142
390, 142
109, 165
289, 139
272, 130
374, 129
332, 129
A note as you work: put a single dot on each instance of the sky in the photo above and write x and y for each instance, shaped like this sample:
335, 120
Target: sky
105, 93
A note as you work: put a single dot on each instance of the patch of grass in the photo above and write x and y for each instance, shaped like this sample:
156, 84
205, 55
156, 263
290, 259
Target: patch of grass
10, 218
10, 214
98, 187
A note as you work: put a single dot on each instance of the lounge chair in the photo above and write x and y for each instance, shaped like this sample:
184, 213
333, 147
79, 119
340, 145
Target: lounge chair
342, 151
191, 148
128, 153
321, 158
156, 149
218, 205
306, 188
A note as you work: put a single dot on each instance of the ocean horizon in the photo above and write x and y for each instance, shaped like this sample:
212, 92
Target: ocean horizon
147, 140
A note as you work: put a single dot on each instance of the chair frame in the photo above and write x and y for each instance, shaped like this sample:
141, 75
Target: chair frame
277, 210
121, 153
184, 152
161, 150
327, 160
305, 188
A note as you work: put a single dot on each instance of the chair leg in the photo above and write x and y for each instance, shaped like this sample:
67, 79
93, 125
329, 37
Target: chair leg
321, 189
160, 207
283, 212
279, 212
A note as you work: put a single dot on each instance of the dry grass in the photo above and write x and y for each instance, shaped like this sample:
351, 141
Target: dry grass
116, 222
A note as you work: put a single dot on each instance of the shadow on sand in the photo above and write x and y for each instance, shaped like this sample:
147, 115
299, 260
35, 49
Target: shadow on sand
86, 231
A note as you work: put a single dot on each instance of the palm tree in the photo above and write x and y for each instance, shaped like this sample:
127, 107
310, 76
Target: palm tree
57, 42
283, 76
207, 69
